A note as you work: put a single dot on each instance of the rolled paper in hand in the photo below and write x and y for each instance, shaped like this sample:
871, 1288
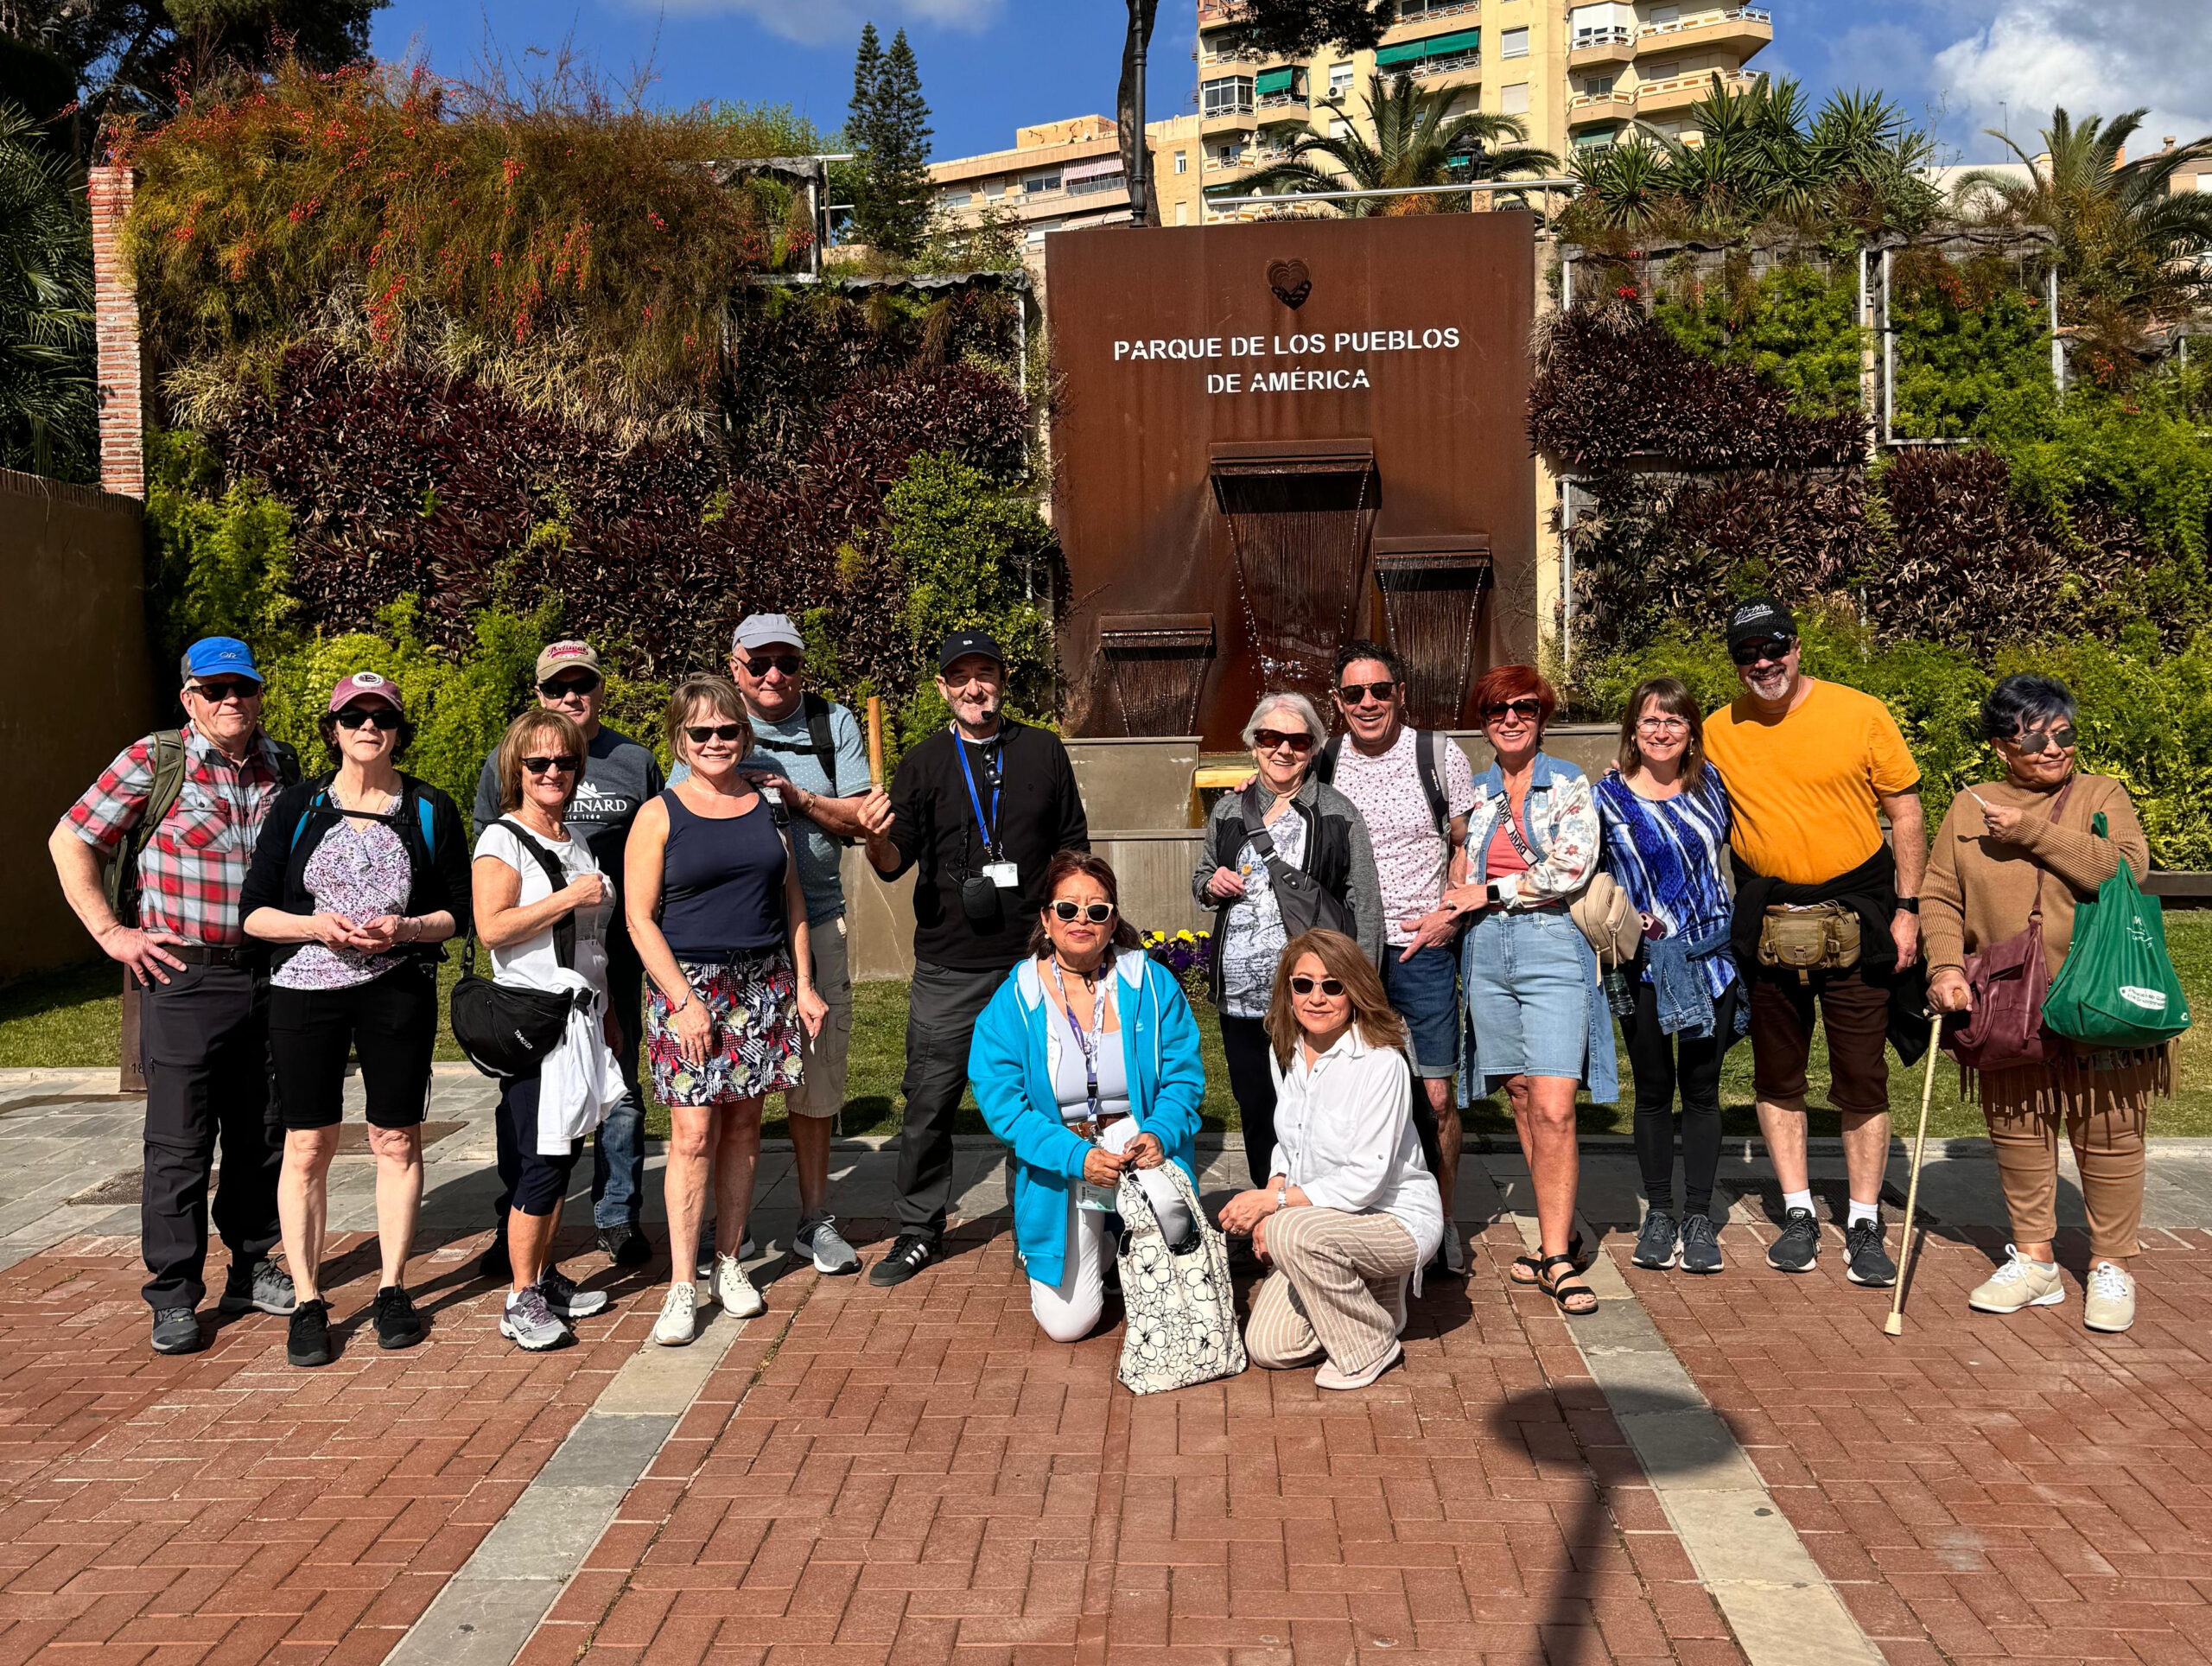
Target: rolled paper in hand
875, 741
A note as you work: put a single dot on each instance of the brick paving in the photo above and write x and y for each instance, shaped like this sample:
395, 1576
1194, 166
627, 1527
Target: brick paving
1981, 1487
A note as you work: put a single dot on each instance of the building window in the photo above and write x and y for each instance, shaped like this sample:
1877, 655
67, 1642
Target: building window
995, 190
1182, 162
955, 199
1512, 43
1231, 95
1338, 127
1340, 77
1598, 86
1513, 99
1037, 183
1182, 214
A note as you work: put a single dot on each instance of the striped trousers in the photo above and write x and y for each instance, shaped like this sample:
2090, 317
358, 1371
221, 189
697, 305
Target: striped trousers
1334, 1290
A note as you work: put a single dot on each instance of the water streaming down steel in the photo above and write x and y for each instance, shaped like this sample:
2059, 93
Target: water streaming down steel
1157, 665
1300, 517
1432, 600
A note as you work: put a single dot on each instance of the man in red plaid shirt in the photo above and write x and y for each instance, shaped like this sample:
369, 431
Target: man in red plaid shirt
204, 1033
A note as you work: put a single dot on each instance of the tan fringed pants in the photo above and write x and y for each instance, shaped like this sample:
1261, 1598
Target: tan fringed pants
2104, 1112
1333, 1292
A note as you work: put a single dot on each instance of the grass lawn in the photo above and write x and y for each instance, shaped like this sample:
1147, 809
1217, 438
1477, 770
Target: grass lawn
70, 1019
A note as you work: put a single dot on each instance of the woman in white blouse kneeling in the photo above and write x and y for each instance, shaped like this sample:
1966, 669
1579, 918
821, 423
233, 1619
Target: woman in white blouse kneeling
1350, 1213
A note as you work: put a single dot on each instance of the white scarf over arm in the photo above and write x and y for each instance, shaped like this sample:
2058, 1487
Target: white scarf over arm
580, 1079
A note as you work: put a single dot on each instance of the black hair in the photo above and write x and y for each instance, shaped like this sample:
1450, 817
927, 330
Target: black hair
2022, 701
1358, 649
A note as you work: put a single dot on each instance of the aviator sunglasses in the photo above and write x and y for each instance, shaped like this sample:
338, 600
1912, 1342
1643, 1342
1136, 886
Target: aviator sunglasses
2034, 745
383, 717
1329, 986
1097, 912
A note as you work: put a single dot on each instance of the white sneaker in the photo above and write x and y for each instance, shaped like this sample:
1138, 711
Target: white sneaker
2020, 1282
679, 1317
2111, 1301
734, 1291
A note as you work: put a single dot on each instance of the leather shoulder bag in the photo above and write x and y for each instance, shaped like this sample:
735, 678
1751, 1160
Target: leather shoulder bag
2009, 981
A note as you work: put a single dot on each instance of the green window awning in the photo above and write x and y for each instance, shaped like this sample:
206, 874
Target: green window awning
1410, 52
1273, 80
1407, 52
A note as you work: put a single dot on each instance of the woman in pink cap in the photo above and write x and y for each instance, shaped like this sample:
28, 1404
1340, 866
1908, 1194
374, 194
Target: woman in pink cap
358, 876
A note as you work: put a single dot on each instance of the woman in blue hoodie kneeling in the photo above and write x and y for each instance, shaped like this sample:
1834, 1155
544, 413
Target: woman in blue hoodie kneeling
1086, 1064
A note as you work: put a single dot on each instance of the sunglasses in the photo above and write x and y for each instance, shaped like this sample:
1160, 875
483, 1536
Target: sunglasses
1528, 710
1267, 739
700, 733
564, 764
1352, 693
2035, 745
383, 717
790, 664
229, 688
1765, 647
1331, 987
1097, 912
568, 688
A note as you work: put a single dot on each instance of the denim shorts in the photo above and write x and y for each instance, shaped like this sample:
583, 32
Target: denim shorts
1529, 994
1424, 990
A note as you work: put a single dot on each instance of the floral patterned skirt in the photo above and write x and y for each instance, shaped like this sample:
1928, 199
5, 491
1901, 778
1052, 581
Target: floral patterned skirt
756, 1046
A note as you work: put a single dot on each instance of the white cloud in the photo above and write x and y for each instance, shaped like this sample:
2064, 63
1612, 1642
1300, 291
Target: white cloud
820, 22
2093, 57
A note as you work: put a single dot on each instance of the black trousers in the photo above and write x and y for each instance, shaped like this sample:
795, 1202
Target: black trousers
1245, 1043
1663, 1063
942, 1008
205, 1037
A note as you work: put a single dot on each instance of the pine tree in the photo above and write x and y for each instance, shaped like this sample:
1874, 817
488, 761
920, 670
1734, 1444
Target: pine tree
890, 131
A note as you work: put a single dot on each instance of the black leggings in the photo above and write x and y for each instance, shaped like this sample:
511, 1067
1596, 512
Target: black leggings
1652, 1056
1245, 1043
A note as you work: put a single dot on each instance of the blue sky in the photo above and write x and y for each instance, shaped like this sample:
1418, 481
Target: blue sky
991, 66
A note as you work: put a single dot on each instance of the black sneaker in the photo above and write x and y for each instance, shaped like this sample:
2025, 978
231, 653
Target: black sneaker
1659, 1245
626, 1246
308, 1344
1700, 1243
908, 1257
1799, 1246
398, 1326
176, 1330
263, 1284
493, 1264
1865, 1261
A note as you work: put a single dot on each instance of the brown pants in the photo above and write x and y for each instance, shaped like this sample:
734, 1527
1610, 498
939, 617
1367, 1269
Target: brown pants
2104, 1112
1856, 1015
1333, 1289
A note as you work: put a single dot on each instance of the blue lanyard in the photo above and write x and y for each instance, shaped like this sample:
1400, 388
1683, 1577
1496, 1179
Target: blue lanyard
990, 829
1087, 1044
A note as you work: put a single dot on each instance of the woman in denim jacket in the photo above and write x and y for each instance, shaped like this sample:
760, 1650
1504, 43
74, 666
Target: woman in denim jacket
1538, 1020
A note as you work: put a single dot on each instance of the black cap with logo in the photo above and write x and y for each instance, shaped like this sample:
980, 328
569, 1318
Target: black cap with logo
961, 644
1758, 618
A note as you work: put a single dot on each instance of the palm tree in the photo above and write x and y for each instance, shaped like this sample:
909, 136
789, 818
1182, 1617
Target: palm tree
1417, 143
47, 420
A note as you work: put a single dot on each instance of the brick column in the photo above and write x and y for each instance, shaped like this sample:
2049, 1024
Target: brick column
122, 405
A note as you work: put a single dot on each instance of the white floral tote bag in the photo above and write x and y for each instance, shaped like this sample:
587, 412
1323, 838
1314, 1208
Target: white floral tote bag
1182, 1309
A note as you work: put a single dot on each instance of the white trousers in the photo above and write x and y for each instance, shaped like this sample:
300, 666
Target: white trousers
1068, 1310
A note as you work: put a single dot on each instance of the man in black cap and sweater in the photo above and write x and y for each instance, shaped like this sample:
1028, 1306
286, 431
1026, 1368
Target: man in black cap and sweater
981, 809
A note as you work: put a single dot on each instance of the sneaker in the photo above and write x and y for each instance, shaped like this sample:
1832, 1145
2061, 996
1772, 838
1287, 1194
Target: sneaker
908, 1257
1866, 1262
1328, 1376
529, 1323
626, 1246
1700, 1243
2022, 1281
1799, 1246
307, 1342
747, 1249
2111, 1302
734, 1291
264, 1285
1659, 1245
176, 1330
679, 1316
566, 1298
820, 1239
398, 1326
493, 1264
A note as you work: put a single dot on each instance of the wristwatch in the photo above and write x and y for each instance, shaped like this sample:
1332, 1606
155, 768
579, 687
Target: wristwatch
1282, 1195
1908, 904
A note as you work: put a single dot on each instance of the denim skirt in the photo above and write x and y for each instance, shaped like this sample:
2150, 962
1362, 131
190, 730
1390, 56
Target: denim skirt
1529, 994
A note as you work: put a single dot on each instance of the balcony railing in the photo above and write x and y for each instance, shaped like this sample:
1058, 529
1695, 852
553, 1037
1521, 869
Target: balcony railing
1103, 182
1283, 101
1254, 157
1600, 107
1617, 36
1233, 55
1219, 11
1431, 68
1216, 107
1451, 9
1706, 19
1698, 84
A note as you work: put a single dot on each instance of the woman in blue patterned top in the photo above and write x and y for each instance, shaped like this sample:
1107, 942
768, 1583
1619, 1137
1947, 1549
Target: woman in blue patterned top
1664, 811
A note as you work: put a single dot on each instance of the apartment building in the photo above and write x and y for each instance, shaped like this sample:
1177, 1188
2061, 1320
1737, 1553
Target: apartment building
1065, 173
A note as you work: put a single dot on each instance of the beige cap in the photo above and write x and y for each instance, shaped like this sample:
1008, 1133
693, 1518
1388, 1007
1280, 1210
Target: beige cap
569, 656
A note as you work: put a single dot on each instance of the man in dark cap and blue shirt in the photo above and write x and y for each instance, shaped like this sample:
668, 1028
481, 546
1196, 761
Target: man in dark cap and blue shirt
980, 808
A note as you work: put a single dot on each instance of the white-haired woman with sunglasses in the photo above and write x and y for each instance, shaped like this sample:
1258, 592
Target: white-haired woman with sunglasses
1306, 825
2007, 850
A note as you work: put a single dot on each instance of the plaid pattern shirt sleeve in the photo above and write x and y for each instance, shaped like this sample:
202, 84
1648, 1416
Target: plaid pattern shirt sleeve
112, 805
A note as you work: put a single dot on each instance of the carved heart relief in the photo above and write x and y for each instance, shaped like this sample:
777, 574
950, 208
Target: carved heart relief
1290, 281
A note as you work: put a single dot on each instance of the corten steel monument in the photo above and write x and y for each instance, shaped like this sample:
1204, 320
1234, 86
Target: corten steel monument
1272, 436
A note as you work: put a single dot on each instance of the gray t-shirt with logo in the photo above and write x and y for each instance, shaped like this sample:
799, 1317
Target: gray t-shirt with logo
620, 776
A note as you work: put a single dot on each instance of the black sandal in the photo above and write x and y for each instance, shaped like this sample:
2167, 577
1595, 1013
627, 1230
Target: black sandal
1566, 1288
1535, 1265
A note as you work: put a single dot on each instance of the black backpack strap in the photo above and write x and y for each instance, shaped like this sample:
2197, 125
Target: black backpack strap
564, 929
817, 731
1429, 761
1325, 761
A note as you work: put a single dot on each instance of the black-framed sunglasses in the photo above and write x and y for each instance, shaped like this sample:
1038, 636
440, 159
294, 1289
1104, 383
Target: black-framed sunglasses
383, 717
564, 765
1762, 647
700, 733
790, 664
228, 687
569, 688
1267, 739
1331, 987
1530, 710
1097, 912
2034, 745
1352, 693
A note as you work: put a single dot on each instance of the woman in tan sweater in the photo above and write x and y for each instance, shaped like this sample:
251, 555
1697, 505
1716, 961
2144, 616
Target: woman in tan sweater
1994, 842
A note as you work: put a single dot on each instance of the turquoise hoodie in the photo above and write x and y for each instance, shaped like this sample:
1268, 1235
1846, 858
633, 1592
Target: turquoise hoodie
1010, 1071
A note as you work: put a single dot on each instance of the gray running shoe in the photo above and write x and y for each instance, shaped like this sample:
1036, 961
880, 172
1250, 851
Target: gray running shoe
1867, 1262
1659, 1245
566, 1298
529, 1324
1700, 1243
1799, 1246
176, 1330
820, 1239
264, 1285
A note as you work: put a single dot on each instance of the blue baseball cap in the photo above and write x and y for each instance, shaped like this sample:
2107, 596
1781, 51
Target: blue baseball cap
219, 656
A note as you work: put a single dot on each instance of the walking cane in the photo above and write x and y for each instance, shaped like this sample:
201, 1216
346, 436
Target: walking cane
1894, 1325
875, 741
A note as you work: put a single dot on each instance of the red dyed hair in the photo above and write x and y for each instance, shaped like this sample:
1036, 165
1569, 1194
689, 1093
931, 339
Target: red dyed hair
1503, 682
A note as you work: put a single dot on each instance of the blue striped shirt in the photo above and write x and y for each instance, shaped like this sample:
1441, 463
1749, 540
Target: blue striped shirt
1667, 855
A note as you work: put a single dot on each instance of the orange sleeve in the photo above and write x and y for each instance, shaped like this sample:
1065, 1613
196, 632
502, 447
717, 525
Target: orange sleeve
1890, 765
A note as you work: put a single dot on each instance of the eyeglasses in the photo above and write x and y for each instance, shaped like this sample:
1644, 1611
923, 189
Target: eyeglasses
568, 688
1267, 739
230, 688
700, 733
383, 717
1353, 693
561, 765
1664, 725
790, 664
1097, 912
1762, 647
1528, 710
1331, 987
2035, 744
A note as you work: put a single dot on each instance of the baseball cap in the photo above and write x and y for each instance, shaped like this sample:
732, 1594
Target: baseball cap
765, 630
1760, 616
568, 656
219, 656
961, 644
366, 685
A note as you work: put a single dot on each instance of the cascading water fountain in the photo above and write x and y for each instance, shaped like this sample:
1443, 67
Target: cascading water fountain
1300, 514
1434, 594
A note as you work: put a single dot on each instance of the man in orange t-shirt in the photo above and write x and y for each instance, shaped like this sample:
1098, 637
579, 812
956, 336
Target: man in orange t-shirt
1811, 766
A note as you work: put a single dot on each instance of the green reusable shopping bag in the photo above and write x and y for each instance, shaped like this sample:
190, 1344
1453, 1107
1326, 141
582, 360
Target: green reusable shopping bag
2118, 986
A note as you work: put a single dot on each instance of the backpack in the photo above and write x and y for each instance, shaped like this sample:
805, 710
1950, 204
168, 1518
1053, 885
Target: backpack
1429, 761
819, 741
169, 760
424, 819
507, 1031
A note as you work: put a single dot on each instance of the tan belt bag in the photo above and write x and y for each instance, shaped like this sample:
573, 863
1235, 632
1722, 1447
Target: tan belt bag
1823, 937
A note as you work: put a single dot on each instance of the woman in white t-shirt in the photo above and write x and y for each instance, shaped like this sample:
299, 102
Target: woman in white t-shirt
518, 910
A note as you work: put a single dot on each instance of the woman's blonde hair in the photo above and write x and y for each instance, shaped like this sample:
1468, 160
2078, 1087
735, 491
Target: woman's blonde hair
1341, 959
717, 692
563, 739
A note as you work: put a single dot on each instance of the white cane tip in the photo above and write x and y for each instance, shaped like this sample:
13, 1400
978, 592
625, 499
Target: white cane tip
1893, 1326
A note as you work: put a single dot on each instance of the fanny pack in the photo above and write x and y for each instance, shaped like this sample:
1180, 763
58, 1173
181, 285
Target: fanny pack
1819, 938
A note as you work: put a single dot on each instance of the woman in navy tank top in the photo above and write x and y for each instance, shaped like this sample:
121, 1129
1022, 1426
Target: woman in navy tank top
716, 913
